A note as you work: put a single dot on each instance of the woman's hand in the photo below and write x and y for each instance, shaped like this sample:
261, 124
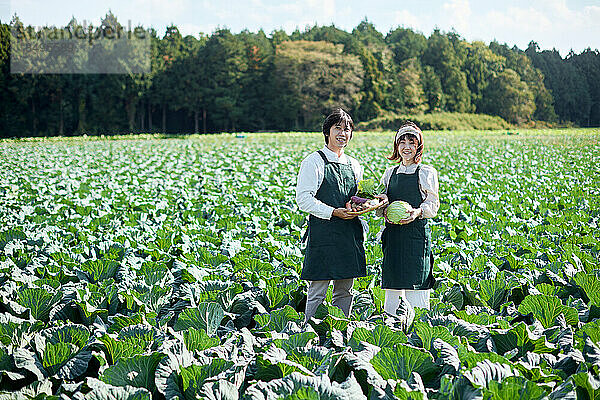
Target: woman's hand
384, 200
385, 216
380, 211
414, 214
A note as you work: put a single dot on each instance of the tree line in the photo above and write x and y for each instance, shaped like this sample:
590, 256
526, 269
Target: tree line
253, 81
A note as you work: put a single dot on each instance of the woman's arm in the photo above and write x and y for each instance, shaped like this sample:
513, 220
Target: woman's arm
429, 186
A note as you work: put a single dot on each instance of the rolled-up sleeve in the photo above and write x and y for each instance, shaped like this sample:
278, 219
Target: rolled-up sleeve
359, 171
429, 187
310, 178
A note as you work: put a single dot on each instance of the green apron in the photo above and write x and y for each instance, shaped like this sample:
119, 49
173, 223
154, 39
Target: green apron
335, 247
407, 259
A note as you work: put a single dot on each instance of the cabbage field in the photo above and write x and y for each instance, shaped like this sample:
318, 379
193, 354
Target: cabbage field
168, 268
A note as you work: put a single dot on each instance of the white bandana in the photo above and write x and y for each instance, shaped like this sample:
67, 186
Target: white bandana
408, 130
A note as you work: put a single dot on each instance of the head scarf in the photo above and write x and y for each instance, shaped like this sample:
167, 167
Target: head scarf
409, 130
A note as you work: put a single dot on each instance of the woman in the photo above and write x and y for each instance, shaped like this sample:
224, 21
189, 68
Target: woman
407, 262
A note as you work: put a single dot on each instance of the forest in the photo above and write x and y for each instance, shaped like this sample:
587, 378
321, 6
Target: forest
254, 81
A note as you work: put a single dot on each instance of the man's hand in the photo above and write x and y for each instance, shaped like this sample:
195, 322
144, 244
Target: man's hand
343, 212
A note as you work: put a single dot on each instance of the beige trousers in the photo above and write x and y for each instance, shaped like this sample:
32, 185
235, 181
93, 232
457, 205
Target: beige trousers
317, 290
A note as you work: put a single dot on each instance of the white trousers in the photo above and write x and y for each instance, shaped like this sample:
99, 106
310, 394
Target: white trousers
416, 298
317, 290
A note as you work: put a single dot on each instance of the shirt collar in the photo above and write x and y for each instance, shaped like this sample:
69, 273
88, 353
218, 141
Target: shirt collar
332, 156
407, 170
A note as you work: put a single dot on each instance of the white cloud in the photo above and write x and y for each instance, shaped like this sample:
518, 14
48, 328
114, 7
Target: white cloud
287, 8
304, 13
407, 19
552, 24
321, 11
291, 25
154, 10
193, 29
459, 15
518, 21
327, 7
558, 7
591, 16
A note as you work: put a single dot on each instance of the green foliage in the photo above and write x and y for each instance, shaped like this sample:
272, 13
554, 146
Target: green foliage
137, 371
443, 56
298, 386
104, 391
519, 340
495, 291
427, 334
63, 351
436, 121
509, 97
274, 363
546, 309
198, 340
249, 81
16, 331
405, 44
99, 270
571, 82
207, 239
39, 301
382, 336
116, 349
298, 66
372, 88
278, 319
206, 317
590, 284
193, 377
411, 73
369, 188
400, 361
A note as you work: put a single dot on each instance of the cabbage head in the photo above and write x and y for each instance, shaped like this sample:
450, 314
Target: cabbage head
369, 188
398, 210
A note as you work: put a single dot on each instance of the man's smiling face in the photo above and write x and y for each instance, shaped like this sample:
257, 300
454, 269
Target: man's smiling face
339, 136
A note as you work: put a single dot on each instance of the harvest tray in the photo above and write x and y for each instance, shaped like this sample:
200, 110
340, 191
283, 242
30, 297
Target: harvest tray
366, 210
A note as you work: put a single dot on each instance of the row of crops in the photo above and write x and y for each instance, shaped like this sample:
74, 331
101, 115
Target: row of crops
169, 269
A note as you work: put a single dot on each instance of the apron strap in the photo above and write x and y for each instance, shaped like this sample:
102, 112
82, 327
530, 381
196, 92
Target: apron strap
331, 162
323, 157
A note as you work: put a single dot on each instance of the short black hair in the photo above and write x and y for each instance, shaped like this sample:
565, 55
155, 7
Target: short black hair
337, 116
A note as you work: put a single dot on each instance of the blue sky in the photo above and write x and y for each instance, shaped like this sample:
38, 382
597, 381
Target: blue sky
560, 24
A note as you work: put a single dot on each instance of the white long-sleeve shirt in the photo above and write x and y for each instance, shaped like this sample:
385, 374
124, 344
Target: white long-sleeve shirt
310, 178
428, 186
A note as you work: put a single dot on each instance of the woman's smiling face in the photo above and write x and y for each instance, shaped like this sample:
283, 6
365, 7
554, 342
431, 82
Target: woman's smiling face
407, 147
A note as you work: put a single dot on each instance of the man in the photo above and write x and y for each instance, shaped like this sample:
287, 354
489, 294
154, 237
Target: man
334, 251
